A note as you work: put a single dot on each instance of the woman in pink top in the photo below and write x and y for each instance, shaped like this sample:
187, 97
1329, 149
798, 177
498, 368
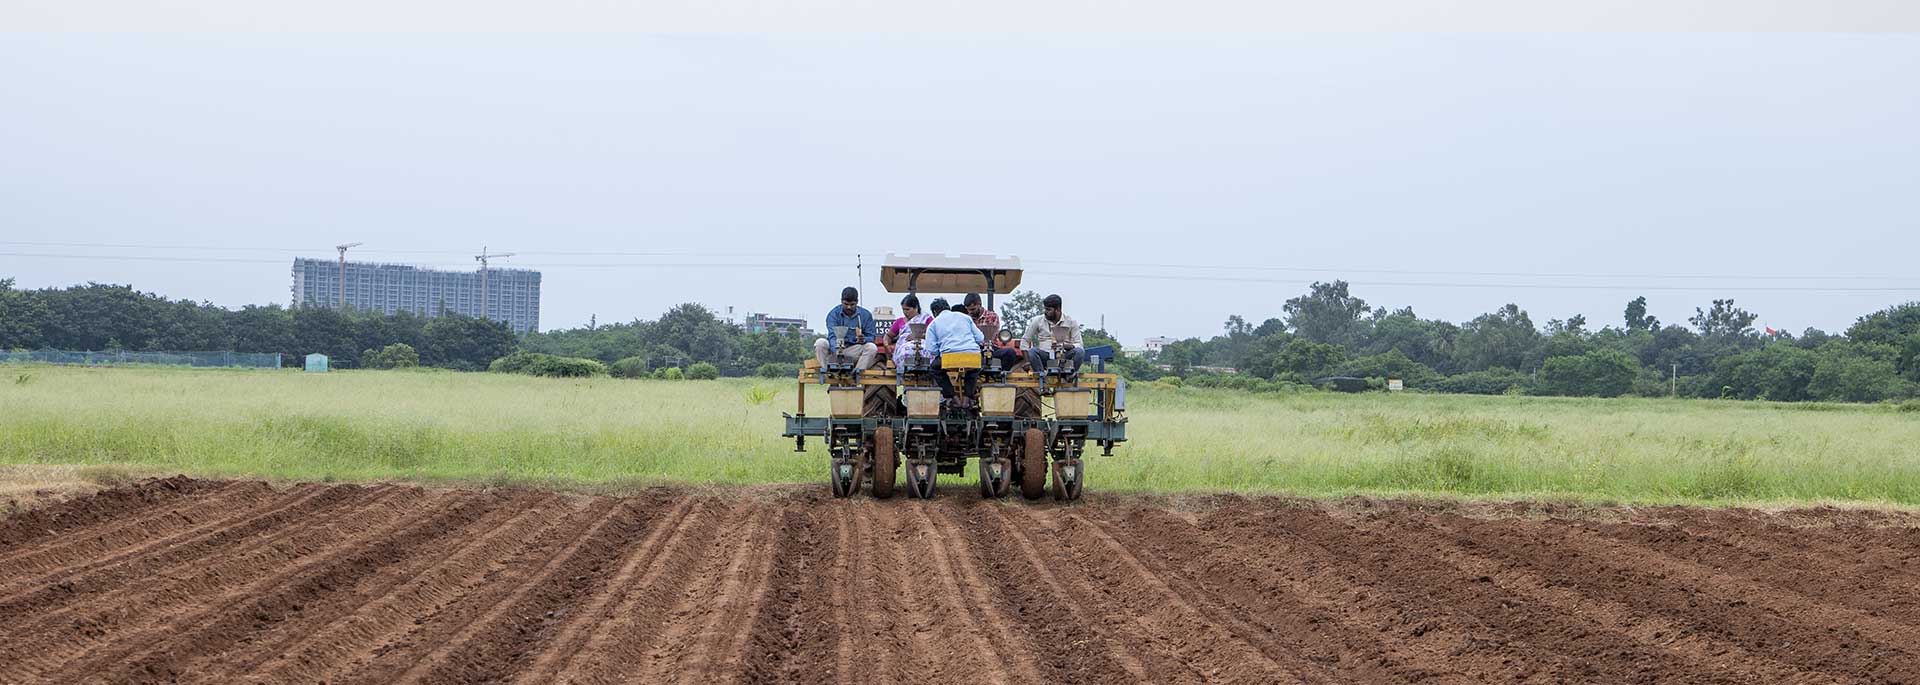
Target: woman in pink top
902, 348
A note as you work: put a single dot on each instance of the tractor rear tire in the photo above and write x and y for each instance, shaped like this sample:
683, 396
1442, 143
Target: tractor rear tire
1033, 465
883, 462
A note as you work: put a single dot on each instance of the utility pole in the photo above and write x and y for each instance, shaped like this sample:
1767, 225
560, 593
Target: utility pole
482, 258
1673, 381
860, 276
343, 271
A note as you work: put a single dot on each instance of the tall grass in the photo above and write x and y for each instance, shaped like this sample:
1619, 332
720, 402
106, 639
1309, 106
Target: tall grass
428, 425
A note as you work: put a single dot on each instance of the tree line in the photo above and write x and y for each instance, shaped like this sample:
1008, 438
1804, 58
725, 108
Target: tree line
1327, 331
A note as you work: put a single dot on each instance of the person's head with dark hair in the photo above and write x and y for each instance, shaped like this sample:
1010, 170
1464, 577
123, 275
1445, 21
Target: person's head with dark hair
909, 306
971, 304
849, 300
939, 305
1051, 306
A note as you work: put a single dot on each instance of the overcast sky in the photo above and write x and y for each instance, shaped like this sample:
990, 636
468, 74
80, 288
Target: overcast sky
1452, 173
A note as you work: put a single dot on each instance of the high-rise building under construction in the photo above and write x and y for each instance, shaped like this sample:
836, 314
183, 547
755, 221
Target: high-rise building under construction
512, 295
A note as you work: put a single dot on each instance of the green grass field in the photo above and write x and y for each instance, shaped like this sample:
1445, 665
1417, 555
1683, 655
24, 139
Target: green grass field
442, 426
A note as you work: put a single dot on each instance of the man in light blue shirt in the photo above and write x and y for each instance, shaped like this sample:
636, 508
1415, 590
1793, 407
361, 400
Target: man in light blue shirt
858, 346
953, 331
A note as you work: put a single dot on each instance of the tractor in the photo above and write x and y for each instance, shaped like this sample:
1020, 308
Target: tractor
1026, 426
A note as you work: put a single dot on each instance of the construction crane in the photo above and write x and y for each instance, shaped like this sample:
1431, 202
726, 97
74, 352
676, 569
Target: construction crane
343, 271
482, 258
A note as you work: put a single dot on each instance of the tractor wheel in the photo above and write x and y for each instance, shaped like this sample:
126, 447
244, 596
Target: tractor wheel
1033, 465
883, 466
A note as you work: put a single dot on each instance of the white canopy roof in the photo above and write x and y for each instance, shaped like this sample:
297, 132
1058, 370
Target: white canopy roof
940, 273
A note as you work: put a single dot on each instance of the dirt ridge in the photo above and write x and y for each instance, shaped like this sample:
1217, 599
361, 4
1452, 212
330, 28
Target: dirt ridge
184, 580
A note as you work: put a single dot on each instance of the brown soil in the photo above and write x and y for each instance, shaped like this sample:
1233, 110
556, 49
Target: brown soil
204, 581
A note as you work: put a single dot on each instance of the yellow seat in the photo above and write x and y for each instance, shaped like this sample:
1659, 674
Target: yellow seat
960, 360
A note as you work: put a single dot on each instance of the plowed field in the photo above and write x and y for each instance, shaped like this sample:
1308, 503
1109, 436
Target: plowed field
239, 582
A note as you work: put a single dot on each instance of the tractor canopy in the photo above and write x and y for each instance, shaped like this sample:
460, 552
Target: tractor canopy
940, 273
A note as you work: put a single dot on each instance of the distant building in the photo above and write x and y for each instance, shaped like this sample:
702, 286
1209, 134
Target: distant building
764, 323
513, 295
1155, 344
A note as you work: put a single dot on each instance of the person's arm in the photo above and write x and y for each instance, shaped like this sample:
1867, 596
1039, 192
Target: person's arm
978, 337
866, 325
1032, 334
833, 319
1075, 340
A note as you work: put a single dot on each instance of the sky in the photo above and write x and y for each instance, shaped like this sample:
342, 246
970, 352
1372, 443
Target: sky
1159, 183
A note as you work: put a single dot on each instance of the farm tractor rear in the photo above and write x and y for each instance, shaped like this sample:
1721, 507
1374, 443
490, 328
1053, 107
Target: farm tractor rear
1026, 426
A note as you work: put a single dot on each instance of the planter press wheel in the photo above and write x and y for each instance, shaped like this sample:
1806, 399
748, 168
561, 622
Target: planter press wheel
1033, 464
883, 462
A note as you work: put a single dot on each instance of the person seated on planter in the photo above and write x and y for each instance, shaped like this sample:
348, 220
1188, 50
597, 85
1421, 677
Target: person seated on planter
900, 336
1040, 337
953, 332
858, 347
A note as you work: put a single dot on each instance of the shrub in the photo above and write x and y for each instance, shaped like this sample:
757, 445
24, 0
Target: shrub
671, 373
776, 370
630, 367
1600, 373
1172, 381
395, 356
537, 364
703, 371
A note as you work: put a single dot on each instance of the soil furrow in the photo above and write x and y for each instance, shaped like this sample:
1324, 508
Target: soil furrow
19, 531
1208, 647
624, 636
1705, 658
179, 649
100, 537
1059, 628
686, 650
721, 646
437, 631
194, 581
1009, 647
889, 646
1807, 637
329, 609
1813, 577
573, 634
296, 506
1305, 599
352, 640
1487, 629
495, 644
792, 634
73, 630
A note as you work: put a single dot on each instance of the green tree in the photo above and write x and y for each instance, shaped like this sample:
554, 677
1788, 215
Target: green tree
1779, 371
1637, 319
1848, 372
1600, 373
693, 329
466, 343
1305, 359
23, 318
1390, 364
395, 356
326, 331
1016, 310
1503, 338
1328, 314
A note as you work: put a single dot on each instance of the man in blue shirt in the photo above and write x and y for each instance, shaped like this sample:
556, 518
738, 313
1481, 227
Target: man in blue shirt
953, 331
858, 346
